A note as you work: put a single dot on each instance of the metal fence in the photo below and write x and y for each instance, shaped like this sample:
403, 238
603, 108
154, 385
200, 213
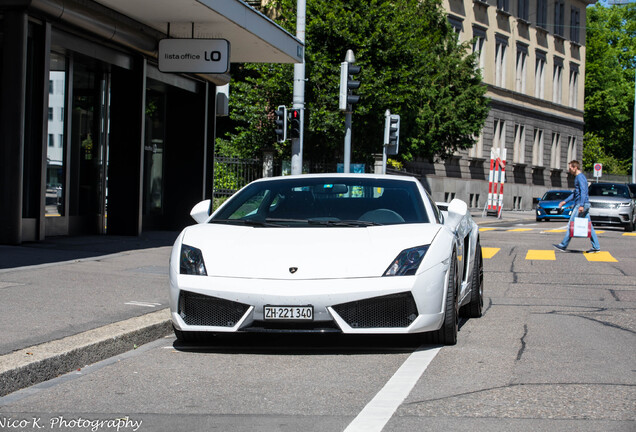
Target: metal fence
231, 174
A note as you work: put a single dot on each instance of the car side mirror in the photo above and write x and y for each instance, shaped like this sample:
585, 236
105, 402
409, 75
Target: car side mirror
201, 211
457, 210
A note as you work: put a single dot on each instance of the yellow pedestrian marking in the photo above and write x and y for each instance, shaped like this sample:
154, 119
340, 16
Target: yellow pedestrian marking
599, 232
520, 229
545, 255
626, 234
486, 229
600, 257
555, 231
488, 252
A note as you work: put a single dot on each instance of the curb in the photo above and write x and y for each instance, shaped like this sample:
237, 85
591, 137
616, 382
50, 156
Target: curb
39, 363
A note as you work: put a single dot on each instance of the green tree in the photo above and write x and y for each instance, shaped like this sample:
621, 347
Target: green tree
609, 85
411, 64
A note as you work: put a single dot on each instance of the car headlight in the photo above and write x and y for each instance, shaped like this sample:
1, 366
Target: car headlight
626, 204
191, 261
407, 262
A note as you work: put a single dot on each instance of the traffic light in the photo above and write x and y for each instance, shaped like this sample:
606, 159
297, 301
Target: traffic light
392, 133
281, 123
347, 85
294, 120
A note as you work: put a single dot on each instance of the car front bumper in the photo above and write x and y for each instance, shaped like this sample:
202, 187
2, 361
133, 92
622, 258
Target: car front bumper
378, 305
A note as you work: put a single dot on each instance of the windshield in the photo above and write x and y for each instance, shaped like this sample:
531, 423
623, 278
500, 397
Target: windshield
609, 190
556, 195
325, 201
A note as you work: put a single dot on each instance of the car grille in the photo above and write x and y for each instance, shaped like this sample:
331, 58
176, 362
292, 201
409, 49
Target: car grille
604, 205
197, 309
396, 310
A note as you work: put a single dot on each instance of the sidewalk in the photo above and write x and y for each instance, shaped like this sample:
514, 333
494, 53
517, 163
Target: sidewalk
71, 301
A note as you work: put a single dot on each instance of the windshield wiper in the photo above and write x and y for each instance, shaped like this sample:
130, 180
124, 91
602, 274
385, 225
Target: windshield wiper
246, 222
342, 223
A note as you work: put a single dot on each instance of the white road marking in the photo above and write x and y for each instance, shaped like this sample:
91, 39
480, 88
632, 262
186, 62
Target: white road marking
379, 411
145, 304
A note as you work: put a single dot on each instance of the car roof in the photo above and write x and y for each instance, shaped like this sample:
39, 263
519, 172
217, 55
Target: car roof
340, 175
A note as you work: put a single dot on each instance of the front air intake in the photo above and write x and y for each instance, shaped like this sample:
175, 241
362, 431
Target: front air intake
395, 310
201, 310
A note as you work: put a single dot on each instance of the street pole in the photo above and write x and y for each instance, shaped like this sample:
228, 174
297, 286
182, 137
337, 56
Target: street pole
387, 125
347, 142
299, 92
634, 137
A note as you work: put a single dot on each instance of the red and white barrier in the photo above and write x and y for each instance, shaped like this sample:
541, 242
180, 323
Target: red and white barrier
496, 180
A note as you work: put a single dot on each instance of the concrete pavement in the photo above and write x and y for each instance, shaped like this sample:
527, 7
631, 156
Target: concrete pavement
72, 301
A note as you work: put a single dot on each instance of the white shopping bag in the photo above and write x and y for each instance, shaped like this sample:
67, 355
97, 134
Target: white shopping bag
580, 227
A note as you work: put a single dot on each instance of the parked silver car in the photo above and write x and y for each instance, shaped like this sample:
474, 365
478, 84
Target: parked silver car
612, 204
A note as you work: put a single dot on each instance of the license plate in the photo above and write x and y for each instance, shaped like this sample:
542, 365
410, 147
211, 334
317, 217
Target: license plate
294, 313
554, 211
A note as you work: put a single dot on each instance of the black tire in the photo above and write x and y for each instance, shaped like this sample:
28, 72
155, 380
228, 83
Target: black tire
474, 309
447, 334
629, 227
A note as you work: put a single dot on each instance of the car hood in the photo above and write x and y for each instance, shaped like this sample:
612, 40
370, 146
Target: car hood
552, 204
609, 199
304, 253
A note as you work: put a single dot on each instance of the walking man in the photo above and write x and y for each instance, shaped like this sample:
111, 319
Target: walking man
581, 207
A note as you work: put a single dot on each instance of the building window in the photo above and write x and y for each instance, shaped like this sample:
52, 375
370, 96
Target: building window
61, 141
571, 148
519, 149
522, 59
555, 153
559, 26
575, 24
539, 76
537, 148
50, 86
456, 23
503, 5
522, 9
499, 137
51, 140
542, 14
557, 81
501, 48
479, 36
476, 151
50, 113
573, 101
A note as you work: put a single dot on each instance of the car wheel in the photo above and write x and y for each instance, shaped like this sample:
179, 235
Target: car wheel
539, 219
629, 227
476, 305
447, 335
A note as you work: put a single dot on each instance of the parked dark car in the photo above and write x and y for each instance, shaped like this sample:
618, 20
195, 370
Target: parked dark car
548, 205
612, 204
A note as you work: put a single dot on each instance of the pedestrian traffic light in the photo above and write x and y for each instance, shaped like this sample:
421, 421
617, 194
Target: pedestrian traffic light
347, 85
294, 120
392, 133
281, 123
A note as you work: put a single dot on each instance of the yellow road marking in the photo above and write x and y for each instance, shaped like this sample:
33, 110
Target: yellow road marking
555, 231
520, 230
488, 252
545, 255
600, 257
486, 229
626, 234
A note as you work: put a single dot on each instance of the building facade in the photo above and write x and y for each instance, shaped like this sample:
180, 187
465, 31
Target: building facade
94, 138
532, 57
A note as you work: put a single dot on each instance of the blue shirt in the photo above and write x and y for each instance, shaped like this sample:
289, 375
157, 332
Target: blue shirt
580, 195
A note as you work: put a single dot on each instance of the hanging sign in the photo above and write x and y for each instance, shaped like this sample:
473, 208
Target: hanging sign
194, 55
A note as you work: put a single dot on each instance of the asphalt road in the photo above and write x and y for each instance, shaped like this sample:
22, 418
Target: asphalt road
554, 351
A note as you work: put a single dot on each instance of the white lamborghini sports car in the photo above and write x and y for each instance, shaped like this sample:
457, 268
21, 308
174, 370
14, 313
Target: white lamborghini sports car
346, 253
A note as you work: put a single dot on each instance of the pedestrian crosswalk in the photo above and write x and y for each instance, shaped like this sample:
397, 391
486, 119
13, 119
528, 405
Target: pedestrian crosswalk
542, 231
550, 255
